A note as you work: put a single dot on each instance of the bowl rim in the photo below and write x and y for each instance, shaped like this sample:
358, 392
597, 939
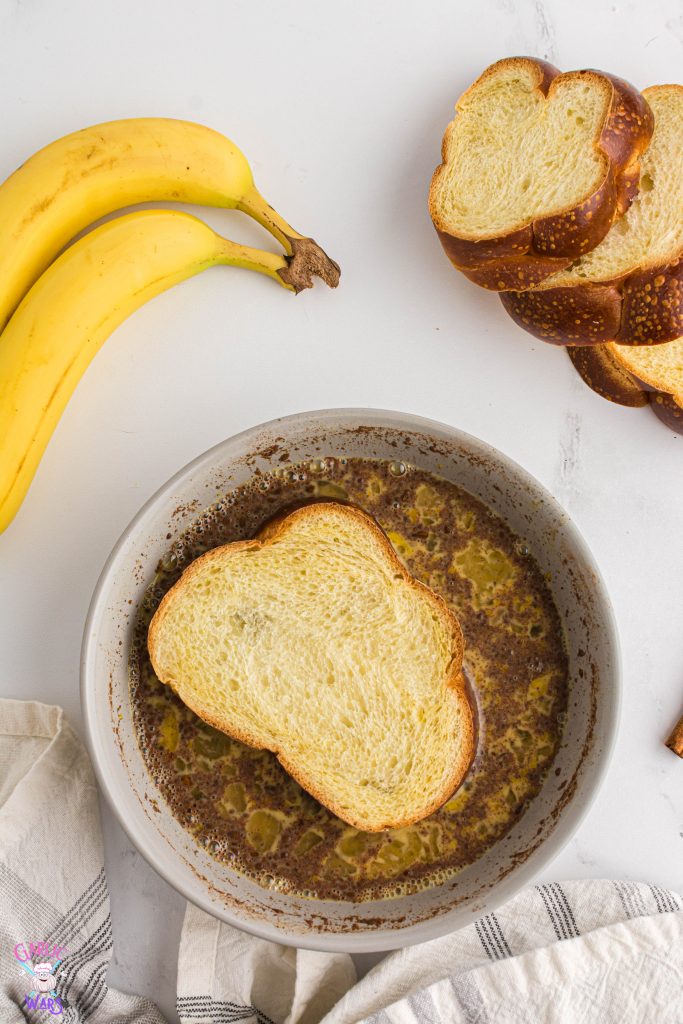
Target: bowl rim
382, 939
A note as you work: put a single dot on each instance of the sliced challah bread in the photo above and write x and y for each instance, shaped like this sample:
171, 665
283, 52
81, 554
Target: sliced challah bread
630, 288
605, 375
535, 167
659, 368
313, 641
636, 375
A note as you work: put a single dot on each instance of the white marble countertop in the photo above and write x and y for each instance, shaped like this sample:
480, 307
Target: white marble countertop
341, 110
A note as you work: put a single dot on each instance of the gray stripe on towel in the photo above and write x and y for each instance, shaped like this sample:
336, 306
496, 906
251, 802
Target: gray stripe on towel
422, 1005
483, 938
558, 928
566, 909
468, 996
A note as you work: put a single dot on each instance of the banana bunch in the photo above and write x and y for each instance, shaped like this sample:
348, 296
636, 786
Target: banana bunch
57, 310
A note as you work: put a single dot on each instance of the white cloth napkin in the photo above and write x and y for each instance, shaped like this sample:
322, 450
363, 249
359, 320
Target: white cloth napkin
590, 952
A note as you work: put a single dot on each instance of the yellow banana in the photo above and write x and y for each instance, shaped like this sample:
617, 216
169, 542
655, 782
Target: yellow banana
76, 304
78, 179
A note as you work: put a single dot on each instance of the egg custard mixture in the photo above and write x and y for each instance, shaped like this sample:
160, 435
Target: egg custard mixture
244, 809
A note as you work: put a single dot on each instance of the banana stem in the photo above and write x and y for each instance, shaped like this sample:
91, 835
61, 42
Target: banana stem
273, 265
253, 203
307, 259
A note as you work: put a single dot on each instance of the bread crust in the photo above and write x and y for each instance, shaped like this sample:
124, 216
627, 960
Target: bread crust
665, 397
606, 376
531, 252
455, 681
666, 408
643, 308
650, 378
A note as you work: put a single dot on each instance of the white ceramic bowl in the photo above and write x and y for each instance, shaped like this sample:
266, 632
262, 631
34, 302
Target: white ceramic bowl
551, 817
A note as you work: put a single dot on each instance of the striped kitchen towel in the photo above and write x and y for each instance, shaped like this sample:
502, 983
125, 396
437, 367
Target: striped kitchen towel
586, 952
55, 928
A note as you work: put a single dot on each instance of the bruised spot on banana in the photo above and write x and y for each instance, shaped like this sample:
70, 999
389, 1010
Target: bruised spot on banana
80, 178
56, 319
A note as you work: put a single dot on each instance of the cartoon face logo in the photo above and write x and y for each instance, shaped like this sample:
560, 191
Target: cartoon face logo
43, 977
38, 962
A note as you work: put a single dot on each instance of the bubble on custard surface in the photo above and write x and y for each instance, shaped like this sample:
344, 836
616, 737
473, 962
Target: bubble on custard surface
398, 468
317, 465
521, 547
169, 561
